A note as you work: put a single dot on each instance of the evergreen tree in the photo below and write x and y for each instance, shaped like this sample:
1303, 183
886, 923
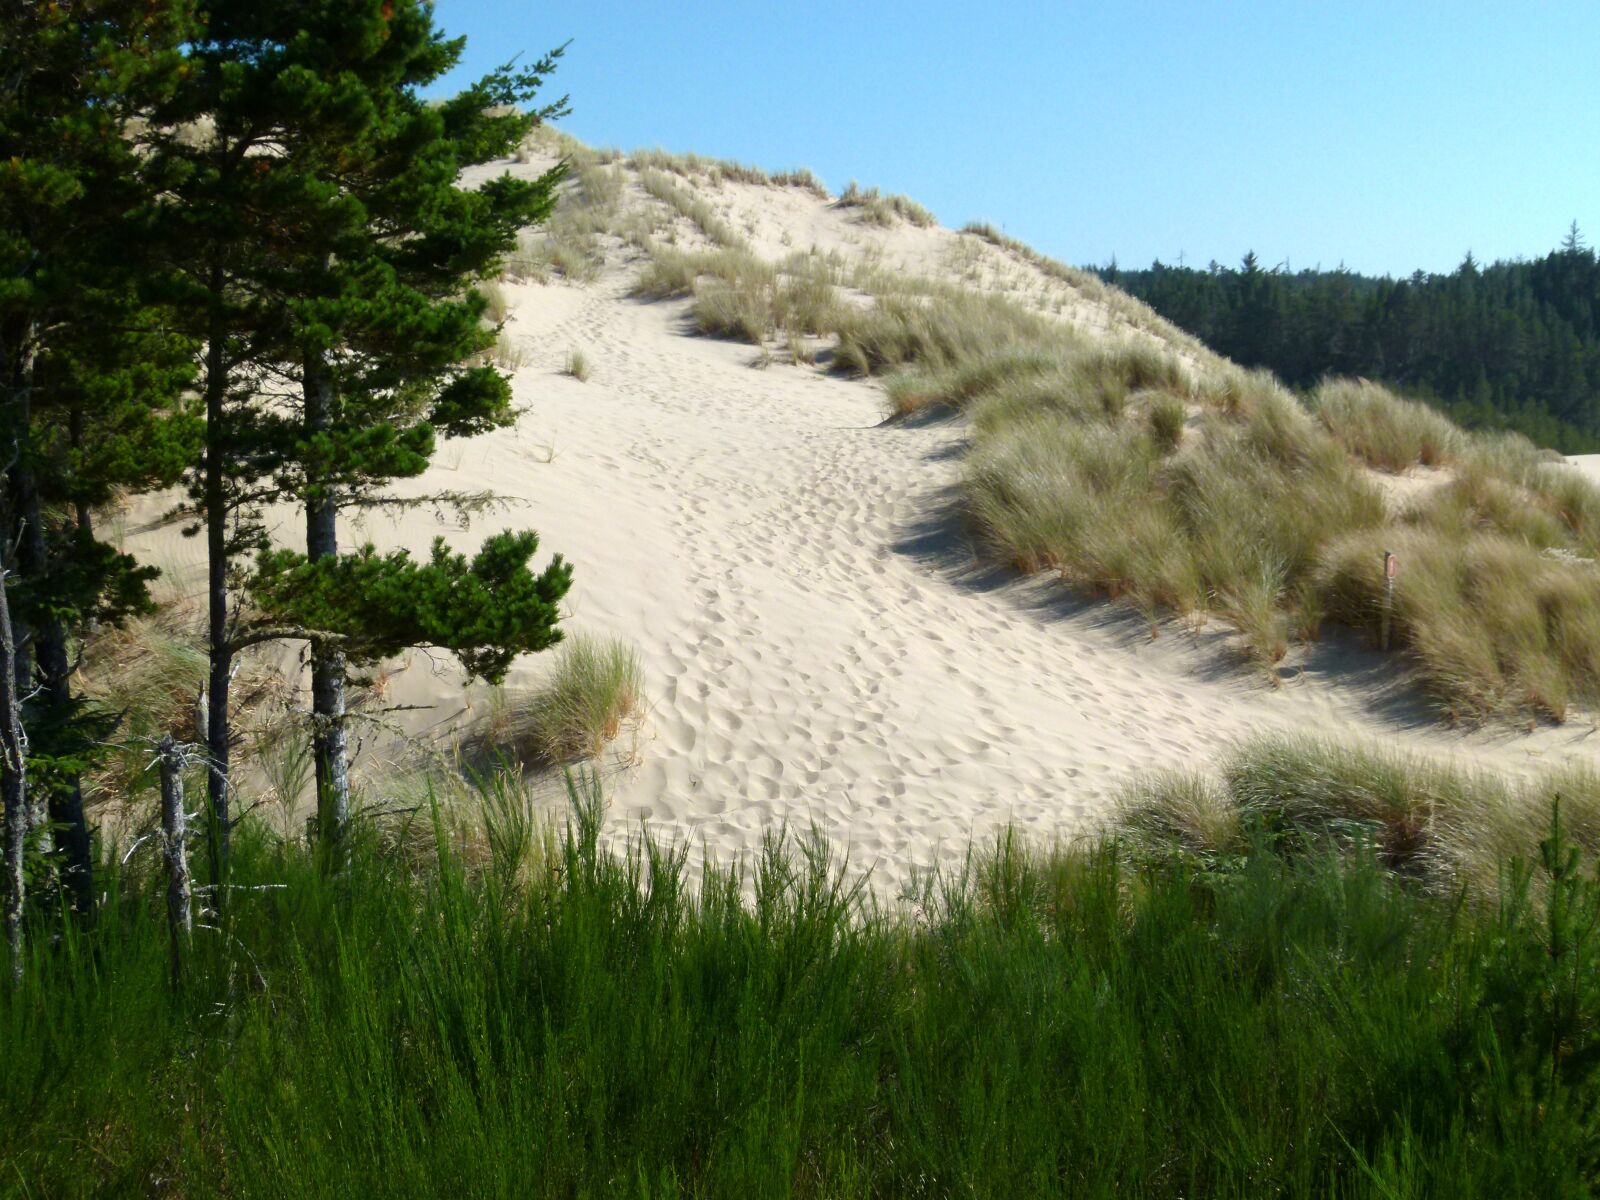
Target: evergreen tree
1508, 345
330, 253
89, 378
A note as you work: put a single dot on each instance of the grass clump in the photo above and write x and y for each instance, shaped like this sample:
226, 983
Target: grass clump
1383, 430
1495, 626
596, 687
1167, 419
1448, 827
804, 179
578, 365
879, 209
732, 310
935, 329
520, 1005
671, 272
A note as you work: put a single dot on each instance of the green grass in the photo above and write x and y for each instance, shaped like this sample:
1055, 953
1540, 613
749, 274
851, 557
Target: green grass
532, 1015
594, 688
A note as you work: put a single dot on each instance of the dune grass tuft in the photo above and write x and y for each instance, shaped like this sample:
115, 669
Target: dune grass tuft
595, 689
578, 365
1448, 826
879, 209
1383, 430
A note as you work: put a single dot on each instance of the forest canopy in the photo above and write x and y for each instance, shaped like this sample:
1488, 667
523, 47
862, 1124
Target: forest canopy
1513, 345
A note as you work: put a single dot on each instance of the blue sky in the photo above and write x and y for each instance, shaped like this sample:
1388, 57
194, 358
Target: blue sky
1388, 136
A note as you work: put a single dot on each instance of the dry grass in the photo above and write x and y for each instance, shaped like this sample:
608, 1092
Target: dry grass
578, 365
1447, 826
148, 673
1383, 430
672, 272
690, 206
802, 178
593, 692
1136, 313
497, 307
879, 209
570, 245
1496, 626
508, 354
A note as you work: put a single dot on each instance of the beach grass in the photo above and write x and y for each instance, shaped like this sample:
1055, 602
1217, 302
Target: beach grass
593, 690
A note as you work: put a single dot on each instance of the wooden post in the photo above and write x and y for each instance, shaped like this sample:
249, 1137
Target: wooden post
180, 918
1391, 566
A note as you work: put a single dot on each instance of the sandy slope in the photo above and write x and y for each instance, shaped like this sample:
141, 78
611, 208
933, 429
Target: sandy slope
818, 642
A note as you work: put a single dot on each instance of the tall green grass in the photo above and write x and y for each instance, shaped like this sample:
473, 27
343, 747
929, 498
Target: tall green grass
558, 1020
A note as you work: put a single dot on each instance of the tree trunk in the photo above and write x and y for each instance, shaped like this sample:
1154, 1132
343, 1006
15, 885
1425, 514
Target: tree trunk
180, 912
62, 809
217, 731
329, 744
13, 784
32, 558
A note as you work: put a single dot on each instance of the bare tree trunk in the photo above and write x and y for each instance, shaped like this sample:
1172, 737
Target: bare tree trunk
13, 784
31, 559
329, 740
180, 919
217, 732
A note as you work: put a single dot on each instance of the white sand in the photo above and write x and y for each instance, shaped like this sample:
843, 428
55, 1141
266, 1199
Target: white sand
820, 646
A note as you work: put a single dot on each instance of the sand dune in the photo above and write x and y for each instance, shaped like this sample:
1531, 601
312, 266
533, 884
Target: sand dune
820, 643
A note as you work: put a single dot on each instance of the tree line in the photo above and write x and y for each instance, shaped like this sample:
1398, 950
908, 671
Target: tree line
1514, 345
235, 259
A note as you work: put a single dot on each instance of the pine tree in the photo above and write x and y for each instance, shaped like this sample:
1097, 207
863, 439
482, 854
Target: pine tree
83, 363
386, 316
330, 253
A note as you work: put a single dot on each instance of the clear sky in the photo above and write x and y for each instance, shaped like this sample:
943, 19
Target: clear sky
1387, 136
